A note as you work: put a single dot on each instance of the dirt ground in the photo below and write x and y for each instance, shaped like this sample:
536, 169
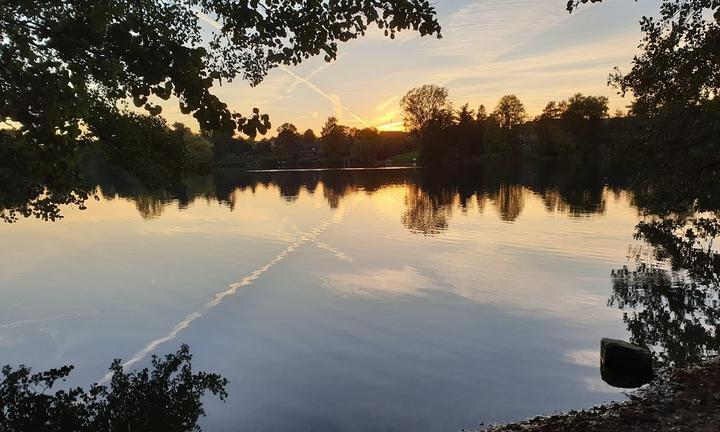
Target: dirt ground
678, 401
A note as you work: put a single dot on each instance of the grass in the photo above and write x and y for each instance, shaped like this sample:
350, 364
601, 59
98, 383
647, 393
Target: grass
408, 157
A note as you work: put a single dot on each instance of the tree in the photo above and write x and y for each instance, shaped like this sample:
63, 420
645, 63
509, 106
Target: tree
583, 116
334, 140
552, 111
465, 115
168, 398
423, 105
197, 150
309, 137
466, 131
675, 82
65, 64
288, 138
288, 127
481, 115
434, 137
565, 125
682, 43
481, 120
496, 139
142, 145
509, 112
580, 107
365, 145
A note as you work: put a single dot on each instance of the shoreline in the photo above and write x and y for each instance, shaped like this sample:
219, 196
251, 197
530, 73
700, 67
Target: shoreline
678, 400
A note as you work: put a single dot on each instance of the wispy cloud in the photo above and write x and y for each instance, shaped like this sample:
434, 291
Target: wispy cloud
554, 74
379, 283
21, 323
483, 30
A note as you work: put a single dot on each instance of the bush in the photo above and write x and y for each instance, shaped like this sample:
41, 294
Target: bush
168, 398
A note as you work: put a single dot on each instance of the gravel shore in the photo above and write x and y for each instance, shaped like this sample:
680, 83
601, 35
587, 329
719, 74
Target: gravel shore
678, 401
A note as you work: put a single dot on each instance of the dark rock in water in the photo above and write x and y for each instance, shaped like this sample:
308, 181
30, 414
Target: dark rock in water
624, 380
625, 365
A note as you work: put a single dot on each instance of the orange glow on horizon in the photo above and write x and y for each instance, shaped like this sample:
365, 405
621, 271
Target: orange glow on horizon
392, 127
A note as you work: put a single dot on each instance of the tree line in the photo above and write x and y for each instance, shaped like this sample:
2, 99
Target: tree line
436, 131
565, 128
336, 145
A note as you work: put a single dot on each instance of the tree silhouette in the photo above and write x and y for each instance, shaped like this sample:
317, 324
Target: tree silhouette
166, 398
309, 136
288, 138
466, 132
675, 82
509, 112
572, 126
365, 146
481, 115
334, 139
425, 105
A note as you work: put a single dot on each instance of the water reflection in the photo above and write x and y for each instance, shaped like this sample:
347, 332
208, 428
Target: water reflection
425, 213
668, 292
670, 298
431, 194
431, 300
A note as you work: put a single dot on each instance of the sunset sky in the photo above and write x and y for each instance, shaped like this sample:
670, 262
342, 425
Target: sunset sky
532, 48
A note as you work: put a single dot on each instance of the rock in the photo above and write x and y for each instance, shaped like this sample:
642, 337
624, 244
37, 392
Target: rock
625, 365
624, 380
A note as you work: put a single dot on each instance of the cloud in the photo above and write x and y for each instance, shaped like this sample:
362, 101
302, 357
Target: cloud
587, 357
481, 31
379, 283
554, 74
21, 323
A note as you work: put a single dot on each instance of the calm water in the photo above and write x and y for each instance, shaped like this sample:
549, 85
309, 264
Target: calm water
359, 300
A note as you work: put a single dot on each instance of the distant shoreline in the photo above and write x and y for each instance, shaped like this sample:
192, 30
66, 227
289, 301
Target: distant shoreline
280, 170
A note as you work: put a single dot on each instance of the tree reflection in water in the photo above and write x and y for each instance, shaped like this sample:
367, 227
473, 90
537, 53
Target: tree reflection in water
668, 293
425, 213
670, 299
431, 194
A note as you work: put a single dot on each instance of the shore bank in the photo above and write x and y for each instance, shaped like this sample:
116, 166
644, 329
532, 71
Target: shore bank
681, 400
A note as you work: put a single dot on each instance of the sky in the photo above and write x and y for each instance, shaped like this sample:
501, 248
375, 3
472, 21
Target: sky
531, 48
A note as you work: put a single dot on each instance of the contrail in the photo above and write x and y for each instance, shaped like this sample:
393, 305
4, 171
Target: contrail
342, 256
218, 298
21, 323
338, 254
335, 100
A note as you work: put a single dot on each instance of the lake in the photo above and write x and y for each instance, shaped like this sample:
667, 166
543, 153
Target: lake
385, 300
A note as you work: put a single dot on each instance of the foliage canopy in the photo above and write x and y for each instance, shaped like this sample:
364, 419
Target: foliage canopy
166, 398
